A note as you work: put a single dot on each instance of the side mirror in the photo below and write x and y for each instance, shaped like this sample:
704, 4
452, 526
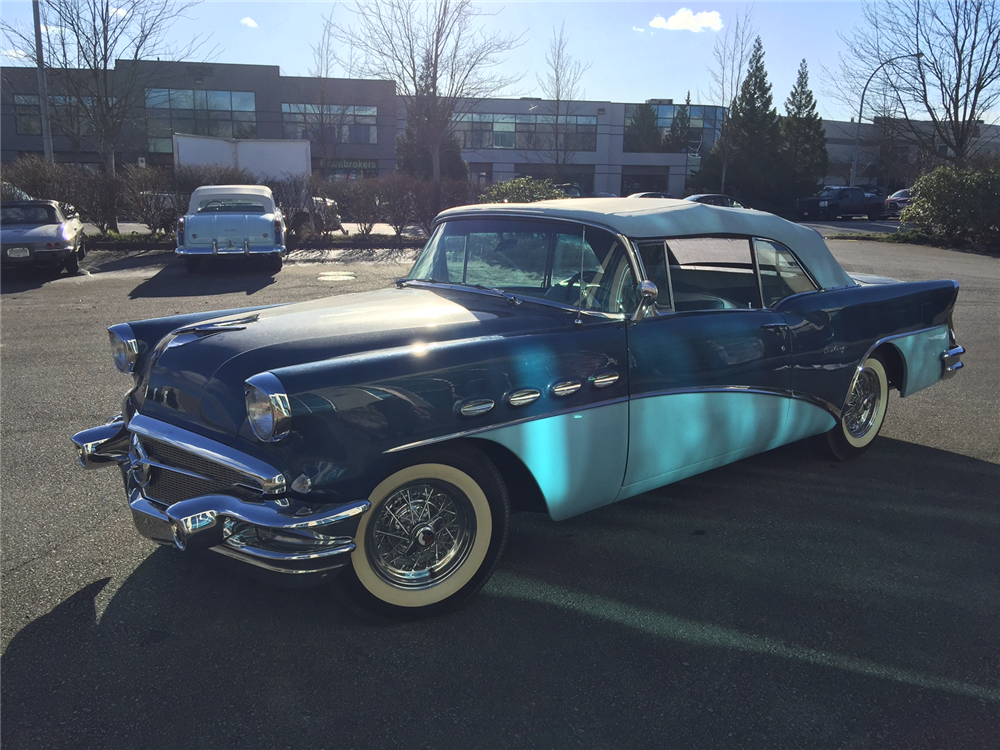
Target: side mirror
647, 296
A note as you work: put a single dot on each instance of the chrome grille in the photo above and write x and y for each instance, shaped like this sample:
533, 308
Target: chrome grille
169, 487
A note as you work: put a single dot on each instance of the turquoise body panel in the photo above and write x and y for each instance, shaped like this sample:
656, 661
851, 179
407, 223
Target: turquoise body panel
921, 354
597, 456
678, 435
577, 459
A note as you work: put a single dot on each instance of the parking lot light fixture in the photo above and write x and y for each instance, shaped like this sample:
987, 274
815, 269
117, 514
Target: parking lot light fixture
861, 108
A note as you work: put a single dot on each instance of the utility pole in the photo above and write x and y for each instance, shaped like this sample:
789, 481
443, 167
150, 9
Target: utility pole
43, 89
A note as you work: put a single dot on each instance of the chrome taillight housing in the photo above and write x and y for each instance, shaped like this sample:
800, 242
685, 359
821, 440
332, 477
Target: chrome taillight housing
180, 231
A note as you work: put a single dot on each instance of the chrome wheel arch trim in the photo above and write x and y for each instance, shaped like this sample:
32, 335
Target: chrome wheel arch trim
272, 480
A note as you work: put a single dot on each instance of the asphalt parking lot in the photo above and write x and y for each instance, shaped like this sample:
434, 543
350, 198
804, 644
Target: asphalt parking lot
780, 602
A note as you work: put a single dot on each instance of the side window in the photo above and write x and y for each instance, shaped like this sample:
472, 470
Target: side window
654, 260
780, 273
712, 273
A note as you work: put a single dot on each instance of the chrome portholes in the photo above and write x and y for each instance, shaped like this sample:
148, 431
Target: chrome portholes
862, 410
420, 534
475, 407
604, 379
566, 388
524, 397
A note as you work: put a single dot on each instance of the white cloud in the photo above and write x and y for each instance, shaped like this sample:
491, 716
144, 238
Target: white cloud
16, 54
119, 12
248, 22
686, 20
636, 28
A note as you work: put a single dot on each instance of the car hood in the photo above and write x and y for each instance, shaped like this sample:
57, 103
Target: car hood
195, 376
31, 233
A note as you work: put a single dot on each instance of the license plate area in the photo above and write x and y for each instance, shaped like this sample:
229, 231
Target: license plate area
18, 252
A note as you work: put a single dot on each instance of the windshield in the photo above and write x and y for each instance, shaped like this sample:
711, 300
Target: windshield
28, 215
828, 191
529, 258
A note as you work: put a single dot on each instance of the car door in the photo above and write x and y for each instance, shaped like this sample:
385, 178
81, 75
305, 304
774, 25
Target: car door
708, 372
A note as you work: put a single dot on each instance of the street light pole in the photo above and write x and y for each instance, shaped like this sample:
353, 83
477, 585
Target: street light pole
861, 108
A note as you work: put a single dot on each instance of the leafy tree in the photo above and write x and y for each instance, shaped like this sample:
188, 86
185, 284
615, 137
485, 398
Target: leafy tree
641, 133
521, 190
678, 139
803, 139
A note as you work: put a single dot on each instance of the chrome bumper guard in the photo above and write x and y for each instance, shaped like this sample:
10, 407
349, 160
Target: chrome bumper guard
951, 362
266, 533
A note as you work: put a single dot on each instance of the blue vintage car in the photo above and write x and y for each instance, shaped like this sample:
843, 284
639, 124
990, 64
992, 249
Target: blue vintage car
556, 356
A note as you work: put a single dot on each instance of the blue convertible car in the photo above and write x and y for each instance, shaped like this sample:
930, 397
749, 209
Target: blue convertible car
555, 356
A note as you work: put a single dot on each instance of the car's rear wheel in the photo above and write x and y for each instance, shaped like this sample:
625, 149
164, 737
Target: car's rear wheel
863, 414
432, 537
273, 263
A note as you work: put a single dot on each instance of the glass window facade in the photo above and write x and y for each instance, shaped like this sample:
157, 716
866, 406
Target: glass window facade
527, 132
223, 114
648, 127
66, 117
328, 123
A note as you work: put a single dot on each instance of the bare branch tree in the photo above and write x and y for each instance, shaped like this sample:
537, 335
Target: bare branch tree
732, 55
82, 40
933, 60
434, 53
561, 86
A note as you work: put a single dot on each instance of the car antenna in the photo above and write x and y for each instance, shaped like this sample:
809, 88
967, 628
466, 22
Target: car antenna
579, 302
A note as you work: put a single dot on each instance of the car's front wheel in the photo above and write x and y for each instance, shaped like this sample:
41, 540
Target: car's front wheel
432, 537
864, 413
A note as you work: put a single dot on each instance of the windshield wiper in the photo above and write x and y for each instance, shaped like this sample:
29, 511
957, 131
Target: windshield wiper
511, 299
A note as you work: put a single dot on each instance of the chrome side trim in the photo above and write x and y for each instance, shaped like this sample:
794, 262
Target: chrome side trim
796, 395
566, 388
476, 407
604, 379
272, 481
523, 398
489, 428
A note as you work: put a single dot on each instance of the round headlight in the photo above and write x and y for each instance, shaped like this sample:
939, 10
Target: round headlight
267, 407
124, 347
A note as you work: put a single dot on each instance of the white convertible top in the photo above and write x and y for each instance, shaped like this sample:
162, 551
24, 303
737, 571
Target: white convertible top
646, 218
207, 192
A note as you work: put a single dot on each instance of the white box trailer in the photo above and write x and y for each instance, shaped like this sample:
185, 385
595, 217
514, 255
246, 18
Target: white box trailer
270, 158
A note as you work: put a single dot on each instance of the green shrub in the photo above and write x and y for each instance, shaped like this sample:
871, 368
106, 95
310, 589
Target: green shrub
521, 190
957, 205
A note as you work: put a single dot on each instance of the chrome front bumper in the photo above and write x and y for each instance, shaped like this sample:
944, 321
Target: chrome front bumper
268, 532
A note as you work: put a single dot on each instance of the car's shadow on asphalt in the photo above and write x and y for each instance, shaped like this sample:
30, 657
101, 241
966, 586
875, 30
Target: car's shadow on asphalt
216, 276
18, 280
782, 601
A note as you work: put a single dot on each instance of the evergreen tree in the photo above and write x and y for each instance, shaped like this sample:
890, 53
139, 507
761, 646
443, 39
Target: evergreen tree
641, 133
754, 135
803, 139
678, 138
413, 155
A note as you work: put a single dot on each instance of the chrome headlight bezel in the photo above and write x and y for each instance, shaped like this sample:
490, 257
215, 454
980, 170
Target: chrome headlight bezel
124, 347
268, 410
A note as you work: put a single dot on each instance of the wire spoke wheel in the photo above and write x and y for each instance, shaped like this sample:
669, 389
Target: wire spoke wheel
432, 537
863, 414
421, 534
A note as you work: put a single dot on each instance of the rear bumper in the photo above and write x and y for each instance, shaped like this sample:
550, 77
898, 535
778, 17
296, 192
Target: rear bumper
278, 537
203, 251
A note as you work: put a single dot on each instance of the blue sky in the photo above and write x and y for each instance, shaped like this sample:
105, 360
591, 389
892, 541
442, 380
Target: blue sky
637, 50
